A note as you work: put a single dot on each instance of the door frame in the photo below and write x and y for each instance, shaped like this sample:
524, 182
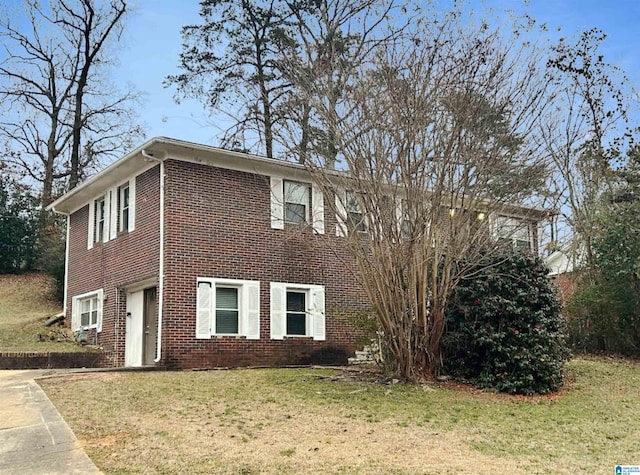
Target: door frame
134, 346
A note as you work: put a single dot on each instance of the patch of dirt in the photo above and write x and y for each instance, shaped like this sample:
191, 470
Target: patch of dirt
373, 375
53, 379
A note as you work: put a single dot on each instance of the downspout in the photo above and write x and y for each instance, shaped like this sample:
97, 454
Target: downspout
161, 257
66, 268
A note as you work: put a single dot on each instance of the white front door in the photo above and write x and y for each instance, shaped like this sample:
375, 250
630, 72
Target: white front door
134, 329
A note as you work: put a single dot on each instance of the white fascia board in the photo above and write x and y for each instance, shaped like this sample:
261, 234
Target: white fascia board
163, 148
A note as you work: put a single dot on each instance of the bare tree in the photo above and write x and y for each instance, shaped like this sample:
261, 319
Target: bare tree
436, 136
331, 39
585, 133
60, 115
245, 75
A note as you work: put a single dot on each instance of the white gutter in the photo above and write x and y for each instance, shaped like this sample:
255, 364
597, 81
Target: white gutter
161, 257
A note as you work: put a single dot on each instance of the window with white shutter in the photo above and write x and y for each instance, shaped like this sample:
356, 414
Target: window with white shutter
297, 310
513, 232
227, 307
294, 202
112, 213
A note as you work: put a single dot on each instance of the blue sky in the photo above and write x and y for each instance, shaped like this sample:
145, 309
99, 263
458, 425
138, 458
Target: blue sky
152, 44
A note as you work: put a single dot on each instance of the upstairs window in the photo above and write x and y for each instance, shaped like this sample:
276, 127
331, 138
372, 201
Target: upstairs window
111, 213
100, 216
123, 207
296, 202
355, 216
514, 232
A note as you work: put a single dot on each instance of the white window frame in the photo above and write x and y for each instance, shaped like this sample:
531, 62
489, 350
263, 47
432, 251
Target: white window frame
112, 216
306, 204
100, 217
315, 321
361, 226
308, 315
240, 309
122, 190
248, 308
314, 210
76, 310
516, 224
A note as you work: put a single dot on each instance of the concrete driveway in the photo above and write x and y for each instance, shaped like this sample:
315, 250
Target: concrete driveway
34, 439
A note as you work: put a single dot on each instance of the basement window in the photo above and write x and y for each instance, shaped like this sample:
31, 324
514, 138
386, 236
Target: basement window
86, 311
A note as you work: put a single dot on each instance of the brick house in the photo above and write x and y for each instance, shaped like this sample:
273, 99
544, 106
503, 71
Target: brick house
189, 256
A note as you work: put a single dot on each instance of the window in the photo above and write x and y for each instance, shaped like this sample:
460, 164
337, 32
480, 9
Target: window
297, 310
112, 212
227, 310
227, 307
402, 213
86, 311
296, 202
89, 311
100, 215
514, 232
123, 207
355, 217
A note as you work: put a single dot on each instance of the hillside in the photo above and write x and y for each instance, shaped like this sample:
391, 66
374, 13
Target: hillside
25, 304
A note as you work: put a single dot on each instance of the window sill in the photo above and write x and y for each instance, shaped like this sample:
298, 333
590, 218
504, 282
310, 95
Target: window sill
296, 337
229, 337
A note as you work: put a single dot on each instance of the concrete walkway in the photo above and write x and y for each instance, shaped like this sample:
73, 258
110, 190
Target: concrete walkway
34, 439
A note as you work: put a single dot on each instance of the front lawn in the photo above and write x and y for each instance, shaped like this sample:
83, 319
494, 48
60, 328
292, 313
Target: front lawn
321, 421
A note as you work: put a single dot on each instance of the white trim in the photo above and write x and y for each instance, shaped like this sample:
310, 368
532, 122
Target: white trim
75, 303
315, 322
248, 308
251, 315
277, 303
162, 148
203, 308
113, 213
520, 223
341, 212
132, 199
317, 209
277, 202
91, 229
141, 285
107, 217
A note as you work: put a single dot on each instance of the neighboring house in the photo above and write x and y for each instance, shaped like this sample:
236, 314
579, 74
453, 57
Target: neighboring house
562, 263
189, 256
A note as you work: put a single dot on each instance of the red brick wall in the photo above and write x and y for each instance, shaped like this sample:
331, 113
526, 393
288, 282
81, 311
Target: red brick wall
217, 224
565, 286
128, 258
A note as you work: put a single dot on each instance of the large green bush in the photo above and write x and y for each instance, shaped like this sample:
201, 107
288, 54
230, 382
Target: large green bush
504, 329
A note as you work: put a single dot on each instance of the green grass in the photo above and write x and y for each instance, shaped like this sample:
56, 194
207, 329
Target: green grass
323, 421
25, 304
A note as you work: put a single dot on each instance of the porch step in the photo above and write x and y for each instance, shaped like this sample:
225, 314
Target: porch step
363, 356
